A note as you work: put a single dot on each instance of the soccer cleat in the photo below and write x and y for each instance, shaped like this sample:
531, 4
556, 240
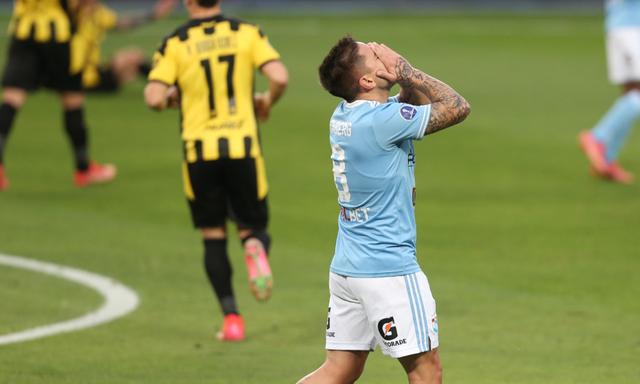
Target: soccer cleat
96, 174
595, 152
232, 328
260, 279
616, 174
4, 182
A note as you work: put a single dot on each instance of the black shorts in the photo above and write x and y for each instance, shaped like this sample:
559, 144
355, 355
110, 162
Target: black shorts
31, 65
225, 189
107, 81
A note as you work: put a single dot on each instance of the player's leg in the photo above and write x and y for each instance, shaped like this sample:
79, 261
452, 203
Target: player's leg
21, 74
12, 100
402, 313
57, 64
207, 202
86, 171
423, 368
339, 367
246, 183
604, 142
349, 338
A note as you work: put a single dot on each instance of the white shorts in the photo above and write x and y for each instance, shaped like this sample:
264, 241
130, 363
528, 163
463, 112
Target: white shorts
398, 313
623, 54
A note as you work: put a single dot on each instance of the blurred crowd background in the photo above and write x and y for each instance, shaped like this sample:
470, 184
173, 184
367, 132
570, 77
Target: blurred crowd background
391, 5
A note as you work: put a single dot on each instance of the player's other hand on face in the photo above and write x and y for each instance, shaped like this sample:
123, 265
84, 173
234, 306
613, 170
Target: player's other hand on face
389, 59
173, 97
163, 8
262, 104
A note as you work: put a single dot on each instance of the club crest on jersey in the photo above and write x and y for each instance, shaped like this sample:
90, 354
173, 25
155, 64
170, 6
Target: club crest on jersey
408, 112
387, 328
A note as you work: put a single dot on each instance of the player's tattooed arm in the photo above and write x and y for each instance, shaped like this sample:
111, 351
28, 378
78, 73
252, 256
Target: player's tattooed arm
448, 107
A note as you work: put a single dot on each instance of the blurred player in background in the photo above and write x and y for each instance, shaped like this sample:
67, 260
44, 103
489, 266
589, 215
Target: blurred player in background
212, 61
40, 56
95, 19
603, 143
378, 292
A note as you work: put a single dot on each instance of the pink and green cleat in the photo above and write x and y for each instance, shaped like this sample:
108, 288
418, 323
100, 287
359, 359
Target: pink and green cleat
260, 279
232, 328
595, 151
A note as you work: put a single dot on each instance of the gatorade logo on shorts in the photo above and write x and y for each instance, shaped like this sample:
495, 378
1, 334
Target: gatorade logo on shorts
387, 328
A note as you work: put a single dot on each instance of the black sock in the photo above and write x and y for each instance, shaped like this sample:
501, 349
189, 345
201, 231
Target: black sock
7, 115
144, 68
218, 267
76, 128
261, 235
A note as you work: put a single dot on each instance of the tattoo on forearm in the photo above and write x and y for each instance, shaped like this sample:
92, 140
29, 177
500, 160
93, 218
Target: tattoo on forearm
447, 106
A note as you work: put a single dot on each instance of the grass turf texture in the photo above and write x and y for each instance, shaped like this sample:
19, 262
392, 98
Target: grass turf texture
533, 263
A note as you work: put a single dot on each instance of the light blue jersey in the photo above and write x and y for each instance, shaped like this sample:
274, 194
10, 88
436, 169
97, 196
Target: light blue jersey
622, 14
373, 163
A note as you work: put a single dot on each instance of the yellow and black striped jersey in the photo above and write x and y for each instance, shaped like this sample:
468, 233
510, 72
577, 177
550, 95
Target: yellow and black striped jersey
213, 62
93, 22
42, 20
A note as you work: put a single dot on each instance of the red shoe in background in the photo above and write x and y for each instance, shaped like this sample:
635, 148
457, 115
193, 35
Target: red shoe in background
595, 151
616, 174
96, 174
232, 328
4, 182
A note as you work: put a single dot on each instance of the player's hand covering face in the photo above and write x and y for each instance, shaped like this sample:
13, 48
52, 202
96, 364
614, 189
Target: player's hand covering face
389, 59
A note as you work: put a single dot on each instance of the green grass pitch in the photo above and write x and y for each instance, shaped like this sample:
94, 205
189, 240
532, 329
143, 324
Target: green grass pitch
534, 264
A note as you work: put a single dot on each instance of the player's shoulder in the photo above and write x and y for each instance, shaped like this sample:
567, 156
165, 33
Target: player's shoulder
180, 34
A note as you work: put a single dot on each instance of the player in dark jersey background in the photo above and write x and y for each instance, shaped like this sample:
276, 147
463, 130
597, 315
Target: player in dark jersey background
40, 56
210, 63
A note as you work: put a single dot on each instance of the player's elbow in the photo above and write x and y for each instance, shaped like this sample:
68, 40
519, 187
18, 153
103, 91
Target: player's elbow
277, 74
465, 108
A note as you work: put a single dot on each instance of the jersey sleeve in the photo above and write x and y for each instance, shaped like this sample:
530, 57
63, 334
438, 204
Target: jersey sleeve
165, 68
107, 18
398, 122
263, 52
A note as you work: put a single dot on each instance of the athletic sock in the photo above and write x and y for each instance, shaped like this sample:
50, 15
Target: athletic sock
261, 235
219, 272
7, 116
144, 68
76, 128
616, 124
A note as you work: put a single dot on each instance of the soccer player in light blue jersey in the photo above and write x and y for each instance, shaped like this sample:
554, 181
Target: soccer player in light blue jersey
603, 143
378, 293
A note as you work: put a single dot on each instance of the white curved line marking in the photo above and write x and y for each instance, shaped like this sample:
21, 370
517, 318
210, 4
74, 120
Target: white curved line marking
119, 300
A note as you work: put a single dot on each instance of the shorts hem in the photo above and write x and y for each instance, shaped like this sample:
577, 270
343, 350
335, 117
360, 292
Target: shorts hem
406, 352
348, 347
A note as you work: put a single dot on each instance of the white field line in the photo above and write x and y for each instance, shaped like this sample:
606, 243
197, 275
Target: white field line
119, 300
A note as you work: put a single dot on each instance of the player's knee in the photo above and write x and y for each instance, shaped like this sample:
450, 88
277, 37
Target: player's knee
15, 97
72, 100
260, 234
213, 233
344, 371
424, 369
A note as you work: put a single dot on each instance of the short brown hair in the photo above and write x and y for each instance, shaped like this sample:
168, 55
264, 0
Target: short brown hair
338, 69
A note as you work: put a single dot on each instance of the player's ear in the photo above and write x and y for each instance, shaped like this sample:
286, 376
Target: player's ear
366, 83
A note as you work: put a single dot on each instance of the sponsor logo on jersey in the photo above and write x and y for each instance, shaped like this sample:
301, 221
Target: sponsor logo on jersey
408, 112
387, 328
